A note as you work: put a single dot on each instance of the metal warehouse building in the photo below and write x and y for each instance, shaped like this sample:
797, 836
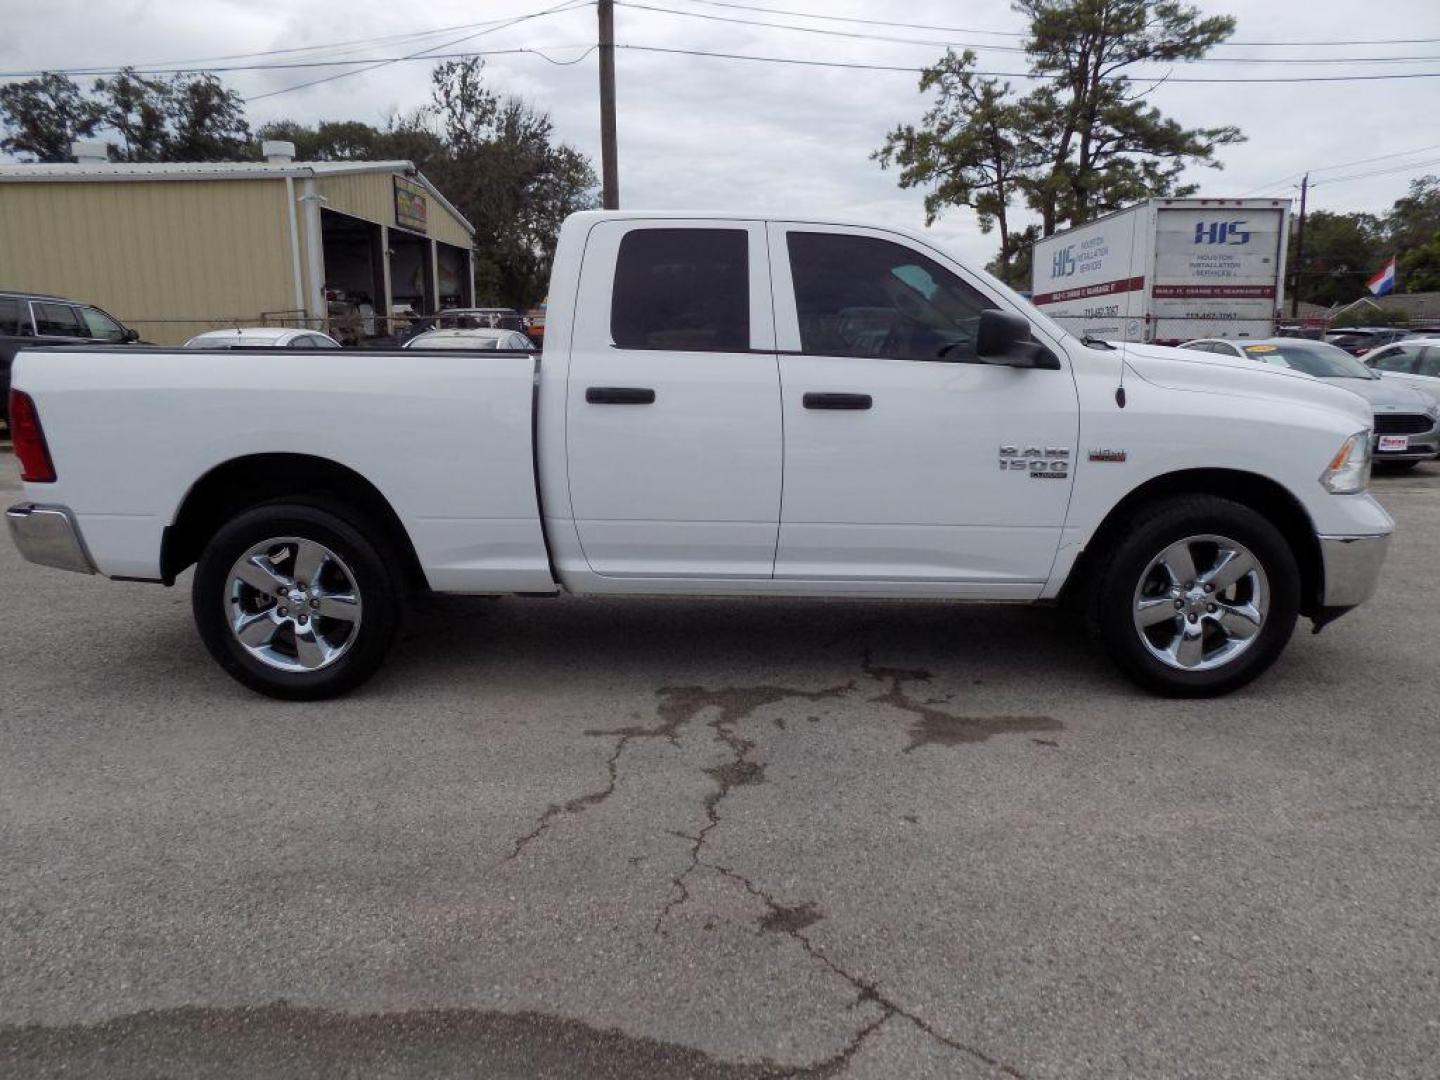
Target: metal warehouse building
175, 249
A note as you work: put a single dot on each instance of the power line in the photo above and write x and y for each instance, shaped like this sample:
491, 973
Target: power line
422, 53
870, 36
292, 65
383, 39
1023, 34
1026, 74
1377, 172
1339, 165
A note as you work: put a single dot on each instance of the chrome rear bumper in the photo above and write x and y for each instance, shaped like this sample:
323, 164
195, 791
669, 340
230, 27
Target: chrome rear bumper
1352, 568
49, 536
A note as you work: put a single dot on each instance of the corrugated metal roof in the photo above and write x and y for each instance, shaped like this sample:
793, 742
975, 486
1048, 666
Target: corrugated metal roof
113, 172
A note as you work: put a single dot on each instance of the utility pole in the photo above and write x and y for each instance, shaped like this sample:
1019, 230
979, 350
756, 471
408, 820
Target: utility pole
1299, 250
609, 169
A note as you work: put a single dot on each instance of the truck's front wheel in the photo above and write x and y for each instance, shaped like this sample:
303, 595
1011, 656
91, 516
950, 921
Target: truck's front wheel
1199, 597
295, 602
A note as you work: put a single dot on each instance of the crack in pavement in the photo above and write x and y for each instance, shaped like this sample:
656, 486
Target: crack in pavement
682, 703
679, 706
935, 728
781, 919
577, 805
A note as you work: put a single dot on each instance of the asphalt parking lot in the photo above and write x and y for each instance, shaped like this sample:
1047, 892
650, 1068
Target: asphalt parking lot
624, 838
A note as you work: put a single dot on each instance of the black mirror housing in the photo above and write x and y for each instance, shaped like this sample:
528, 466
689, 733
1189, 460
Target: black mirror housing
131, 336
1003, 338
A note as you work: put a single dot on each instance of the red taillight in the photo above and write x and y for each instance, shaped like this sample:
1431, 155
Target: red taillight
29, 440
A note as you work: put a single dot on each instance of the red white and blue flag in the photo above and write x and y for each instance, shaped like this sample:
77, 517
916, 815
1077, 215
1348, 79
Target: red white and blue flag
1383, 282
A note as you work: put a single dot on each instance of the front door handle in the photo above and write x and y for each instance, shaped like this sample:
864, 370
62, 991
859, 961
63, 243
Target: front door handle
620, 395
837, 401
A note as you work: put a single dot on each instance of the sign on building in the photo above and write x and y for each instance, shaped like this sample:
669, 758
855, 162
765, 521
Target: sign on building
411, 205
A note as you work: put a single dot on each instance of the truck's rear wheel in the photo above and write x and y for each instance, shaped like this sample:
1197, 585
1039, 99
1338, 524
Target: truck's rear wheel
295, 602
1199, 597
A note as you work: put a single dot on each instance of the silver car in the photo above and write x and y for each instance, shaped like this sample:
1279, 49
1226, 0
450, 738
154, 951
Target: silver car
1407, 419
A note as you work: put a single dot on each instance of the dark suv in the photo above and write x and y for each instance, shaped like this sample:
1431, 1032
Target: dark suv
31, 319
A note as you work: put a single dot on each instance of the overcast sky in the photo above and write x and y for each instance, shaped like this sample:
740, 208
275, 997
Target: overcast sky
728, 134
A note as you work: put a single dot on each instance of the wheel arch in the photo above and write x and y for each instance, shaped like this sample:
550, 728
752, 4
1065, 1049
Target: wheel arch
240, 483
1265, 496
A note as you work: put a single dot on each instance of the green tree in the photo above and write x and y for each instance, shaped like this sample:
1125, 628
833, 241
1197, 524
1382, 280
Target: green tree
186, 117
505, 171
1102, 145
401, 139
41, 117
1082, 144
965, 149
1414, 220
1341, 252
1419, 268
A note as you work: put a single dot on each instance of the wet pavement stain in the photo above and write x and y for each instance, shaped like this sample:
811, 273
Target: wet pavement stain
280, 1041
931, 727
789, 920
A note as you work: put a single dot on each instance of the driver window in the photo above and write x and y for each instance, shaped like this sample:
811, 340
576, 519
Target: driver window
858, 296
1396, 359
101, 327
1430, 362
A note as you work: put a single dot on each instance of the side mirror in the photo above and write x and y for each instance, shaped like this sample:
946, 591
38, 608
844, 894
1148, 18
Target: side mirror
131, 336
1005, 339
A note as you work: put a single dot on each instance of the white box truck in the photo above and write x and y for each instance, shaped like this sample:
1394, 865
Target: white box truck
1168, 270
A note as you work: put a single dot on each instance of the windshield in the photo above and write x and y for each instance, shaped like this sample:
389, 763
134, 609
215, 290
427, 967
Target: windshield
1310, 357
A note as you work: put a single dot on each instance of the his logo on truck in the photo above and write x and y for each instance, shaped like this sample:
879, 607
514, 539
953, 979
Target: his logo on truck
1062, 263
1222, 232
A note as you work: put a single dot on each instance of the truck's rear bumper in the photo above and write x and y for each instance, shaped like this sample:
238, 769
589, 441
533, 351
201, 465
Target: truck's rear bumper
48, 535
1352, 567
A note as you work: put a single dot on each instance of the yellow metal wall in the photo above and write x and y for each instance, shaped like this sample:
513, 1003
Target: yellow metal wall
168, 258
372, 196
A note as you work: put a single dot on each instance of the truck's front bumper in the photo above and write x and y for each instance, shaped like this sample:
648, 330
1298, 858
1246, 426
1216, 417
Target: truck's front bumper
48, 535
1352, 568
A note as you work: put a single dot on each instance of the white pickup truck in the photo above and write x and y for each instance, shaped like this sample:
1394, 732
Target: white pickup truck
725, 406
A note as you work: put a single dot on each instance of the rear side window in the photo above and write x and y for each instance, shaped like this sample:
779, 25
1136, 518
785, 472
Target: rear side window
58, 320
12, 313
682, 289
859, 296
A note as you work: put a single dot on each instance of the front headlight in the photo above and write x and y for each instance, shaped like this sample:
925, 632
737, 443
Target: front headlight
1349, 470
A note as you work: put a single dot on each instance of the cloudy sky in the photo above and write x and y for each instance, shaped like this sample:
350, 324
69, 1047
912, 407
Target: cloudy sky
702, 132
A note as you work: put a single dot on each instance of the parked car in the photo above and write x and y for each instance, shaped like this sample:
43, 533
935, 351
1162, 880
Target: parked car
262, 337
1359, 339
495, 318
471, 339
1413, 360
1406, 427
978, 451
31, 319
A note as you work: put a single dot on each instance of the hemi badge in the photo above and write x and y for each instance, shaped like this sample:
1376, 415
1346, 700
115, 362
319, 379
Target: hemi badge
1107, 455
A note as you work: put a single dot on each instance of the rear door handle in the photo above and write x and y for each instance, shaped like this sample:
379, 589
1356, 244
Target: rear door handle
620, 395
837, 401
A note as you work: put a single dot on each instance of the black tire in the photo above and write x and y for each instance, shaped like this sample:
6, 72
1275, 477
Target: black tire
1152, 529
365, 555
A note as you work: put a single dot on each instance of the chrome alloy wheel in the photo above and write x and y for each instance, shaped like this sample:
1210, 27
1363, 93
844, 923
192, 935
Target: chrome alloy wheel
1201, 603
293, 604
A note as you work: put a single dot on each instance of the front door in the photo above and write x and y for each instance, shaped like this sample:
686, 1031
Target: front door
906, 460
673, 404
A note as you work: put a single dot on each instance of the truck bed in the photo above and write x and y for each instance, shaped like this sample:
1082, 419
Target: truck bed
445, 436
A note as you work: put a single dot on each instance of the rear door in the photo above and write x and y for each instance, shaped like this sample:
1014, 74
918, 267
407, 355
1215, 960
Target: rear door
673, 402
905, 459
